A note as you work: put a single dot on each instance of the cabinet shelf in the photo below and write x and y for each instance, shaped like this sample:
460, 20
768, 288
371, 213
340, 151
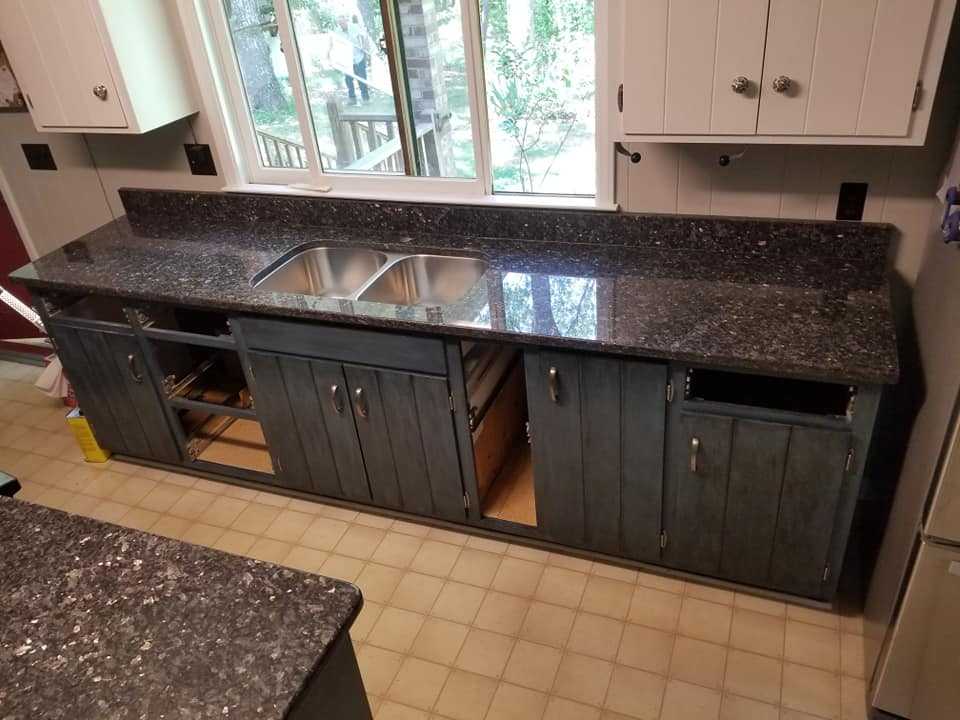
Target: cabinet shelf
228, 441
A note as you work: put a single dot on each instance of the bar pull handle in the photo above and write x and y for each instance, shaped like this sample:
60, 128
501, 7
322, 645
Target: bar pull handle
694, 453
336, 399
360, 402
132, 366
553, 383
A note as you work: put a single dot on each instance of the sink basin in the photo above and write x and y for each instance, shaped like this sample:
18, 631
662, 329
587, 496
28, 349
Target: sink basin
425, 280
322, 271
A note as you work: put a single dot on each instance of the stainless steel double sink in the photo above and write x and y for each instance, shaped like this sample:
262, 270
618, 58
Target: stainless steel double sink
372, 276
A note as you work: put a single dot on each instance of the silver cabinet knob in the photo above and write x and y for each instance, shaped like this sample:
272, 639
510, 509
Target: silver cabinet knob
100, 91
782, 83
740, 85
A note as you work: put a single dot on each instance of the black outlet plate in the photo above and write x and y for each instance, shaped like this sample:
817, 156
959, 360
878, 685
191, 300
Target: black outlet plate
851, 201
39, 156
200, 158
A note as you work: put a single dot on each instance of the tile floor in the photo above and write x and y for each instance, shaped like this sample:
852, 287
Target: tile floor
465, 628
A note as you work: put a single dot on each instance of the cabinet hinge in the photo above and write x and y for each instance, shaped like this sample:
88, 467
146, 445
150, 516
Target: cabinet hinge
826, 572
849, 463
453, 408
620, 98
917, 94
466, 502
663, 539
670, 391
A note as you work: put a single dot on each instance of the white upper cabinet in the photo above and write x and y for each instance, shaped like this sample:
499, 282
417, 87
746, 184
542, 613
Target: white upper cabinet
111, 66
801, 71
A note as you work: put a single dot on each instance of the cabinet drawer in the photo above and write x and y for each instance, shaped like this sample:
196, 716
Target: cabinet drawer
367, 347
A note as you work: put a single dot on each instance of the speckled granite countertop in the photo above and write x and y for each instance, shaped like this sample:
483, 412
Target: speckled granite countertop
106, 623
806, 299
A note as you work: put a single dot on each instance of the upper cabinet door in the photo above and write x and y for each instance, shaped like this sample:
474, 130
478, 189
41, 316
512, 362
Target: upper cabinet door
692, 66
70, 83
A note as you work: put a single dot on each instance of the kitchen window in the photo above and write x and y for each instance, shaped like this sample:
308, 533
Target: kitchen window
473, 100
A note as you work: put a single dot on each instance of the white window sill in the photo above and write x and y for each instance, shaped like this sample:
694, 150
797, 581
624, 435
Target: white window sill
553, 202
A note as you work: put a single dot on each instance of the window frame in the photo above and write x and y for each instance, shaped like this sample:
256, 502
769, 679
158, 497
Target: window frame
211, 51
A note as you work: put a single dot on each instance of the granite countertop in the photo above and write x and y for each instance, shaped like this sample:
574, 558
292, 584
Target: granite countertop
104, 622
799, 299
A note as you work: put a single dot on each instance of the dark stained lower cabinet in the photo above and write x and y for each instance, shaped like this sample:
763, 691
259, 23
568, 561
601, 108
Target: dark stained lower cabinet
596, 427
753, 501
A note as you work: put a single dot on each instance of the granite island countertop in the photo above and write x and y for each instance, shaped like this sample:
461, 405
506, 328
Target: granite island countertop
796, 298
107, 623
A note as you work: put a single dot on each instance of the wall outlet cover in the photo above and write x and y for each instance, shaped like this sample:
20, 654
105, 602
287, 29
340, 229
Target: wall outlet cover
39, 156
200, 158
851, 201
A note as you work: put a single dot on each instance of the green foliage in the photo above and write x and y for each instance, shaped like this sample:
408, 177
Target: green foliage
321, 17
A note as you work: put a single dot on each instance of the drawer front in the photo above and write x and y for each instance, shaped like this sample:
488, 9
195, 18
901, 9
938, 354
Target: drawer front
383, 349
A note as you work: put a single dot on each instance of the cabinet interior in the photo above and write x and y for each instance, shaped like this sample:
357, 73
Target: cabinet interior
202, 374
226, 440
496, 394
772, 393
95, 307
196, 322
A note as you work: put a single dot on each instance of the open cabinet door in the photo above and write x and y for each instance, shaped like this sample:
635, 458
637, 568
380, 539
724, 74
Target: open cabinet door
13, 255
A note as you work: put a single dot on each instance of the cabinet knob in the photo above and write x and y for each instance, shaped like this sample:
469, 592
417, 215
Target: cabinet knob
336, 399
740, 85
360, 402
553, 383
782, 84
100, 91
132, 367
694, 454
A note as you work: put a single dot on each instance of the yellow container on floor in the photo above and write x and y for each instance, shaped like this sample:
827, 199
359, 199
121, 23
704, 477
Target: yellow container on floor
92, 452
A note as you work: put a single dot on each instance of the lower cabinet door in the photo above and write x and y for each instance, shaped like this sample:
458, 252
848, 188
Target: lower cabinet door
406, 431
304, 408
597, 430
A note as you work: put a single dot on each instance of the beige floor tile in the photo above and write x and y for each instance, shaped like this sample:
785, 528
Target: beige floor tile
547, 624
397, 549
760, 605
390, 710
498, 547
364, 623
272, 551
435, 558
84, 505
448, 536
636, 693
374, 521
533, 665
502, 613
170, 526
466, 696
705, 620
596, 636
378, 668
192, 504
162, 497
416, 592
708, 592
54, 472
683, 701
788, 714
418, 683
54, 498
439, 640
134, 489
458, 602
583, 679
607, 597
559, 708
240, 493
570, 562
181, 479
655, 608
851, 618
236, 542
202, 534
110, 511
660, 582
512, 702
757, 632
528, 553
323, 533
305, 506
26, 464
561, 587
338, 513
272, 499
396, 629
289, 526
753, 676
29, 492
136, 518
255, 518
104, 483
377, 582
735, 707
410, 528
814, 616
306, 559
812, 645
698, 661
614, 572
223, 511
853, 699
484, 653
851, 655
518, 577
475, 567
213, 487
646, 649
811, 690
342, 567
360, 541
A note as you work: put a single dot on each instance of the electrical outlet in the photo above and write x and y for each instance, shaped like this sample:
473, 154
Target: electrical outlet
200, 158
39, 156
851, 201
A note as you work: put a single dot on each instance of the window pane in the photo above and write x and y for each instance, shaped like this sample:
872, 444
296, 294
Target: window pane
349, 89
539, 59
436, 80
263, 70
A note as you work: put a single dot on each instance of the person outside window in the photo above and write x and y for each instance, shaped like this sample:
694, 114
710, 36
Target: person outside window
360, 45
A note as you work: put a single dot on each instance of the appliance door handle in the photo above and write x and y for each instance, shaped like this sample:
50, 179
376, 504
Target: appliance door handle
132, 367
694, 454
360, 403
336, 399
